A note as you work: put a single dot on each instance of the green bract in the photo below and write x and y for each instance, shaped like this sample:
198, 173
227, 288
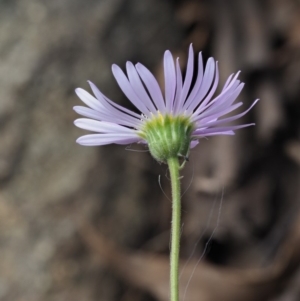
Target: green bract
168, 136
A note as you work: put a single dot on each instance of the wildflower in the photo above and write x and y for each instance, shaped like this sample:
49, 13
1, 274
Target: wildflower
171, 124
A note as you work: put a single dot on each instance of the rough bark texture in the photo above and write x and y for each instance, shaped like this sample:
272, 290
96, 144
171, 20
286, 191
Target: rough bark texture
79, 223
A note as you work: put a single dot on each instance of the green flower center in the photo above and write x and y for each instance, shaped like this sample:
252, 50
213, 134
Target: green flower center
168, 136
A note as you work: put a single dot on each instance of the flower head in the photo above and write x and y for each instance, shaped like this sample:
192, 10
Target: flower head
171, 124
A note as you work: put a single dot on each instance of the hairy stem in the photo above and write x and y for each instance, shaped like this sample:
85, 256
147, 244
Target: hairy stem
173, 164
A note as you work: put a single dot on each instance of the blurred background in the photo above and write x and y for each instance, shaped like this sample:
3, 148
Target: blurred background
80, 223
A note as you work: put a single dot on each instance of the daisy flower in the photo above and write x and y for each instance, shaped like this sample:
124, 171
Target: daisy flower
169, 124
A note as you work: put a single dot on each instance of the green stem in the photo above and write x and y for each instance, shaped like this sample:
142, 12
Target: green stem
173, 164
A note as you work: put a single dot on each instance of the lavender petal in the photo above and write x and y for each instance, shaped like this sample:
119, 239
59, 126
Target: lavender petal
152, 86
170, 80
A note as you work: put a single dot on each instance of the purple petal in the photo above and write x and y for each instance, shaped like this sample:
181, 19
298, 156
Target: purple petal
221, 97
102, 126
217, 105
99, 106
227, 81
178, 87
226, 120
206, 117
211, 92
110, 105
194, 143
230, 82
226, 103
118, 117
152, 87
231, 133
226, 133
188, 77
170, 80
87, 112
103, 139
204, 132
205, 85
138, 87
88, 99
198, 82
220, 100
127, 89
